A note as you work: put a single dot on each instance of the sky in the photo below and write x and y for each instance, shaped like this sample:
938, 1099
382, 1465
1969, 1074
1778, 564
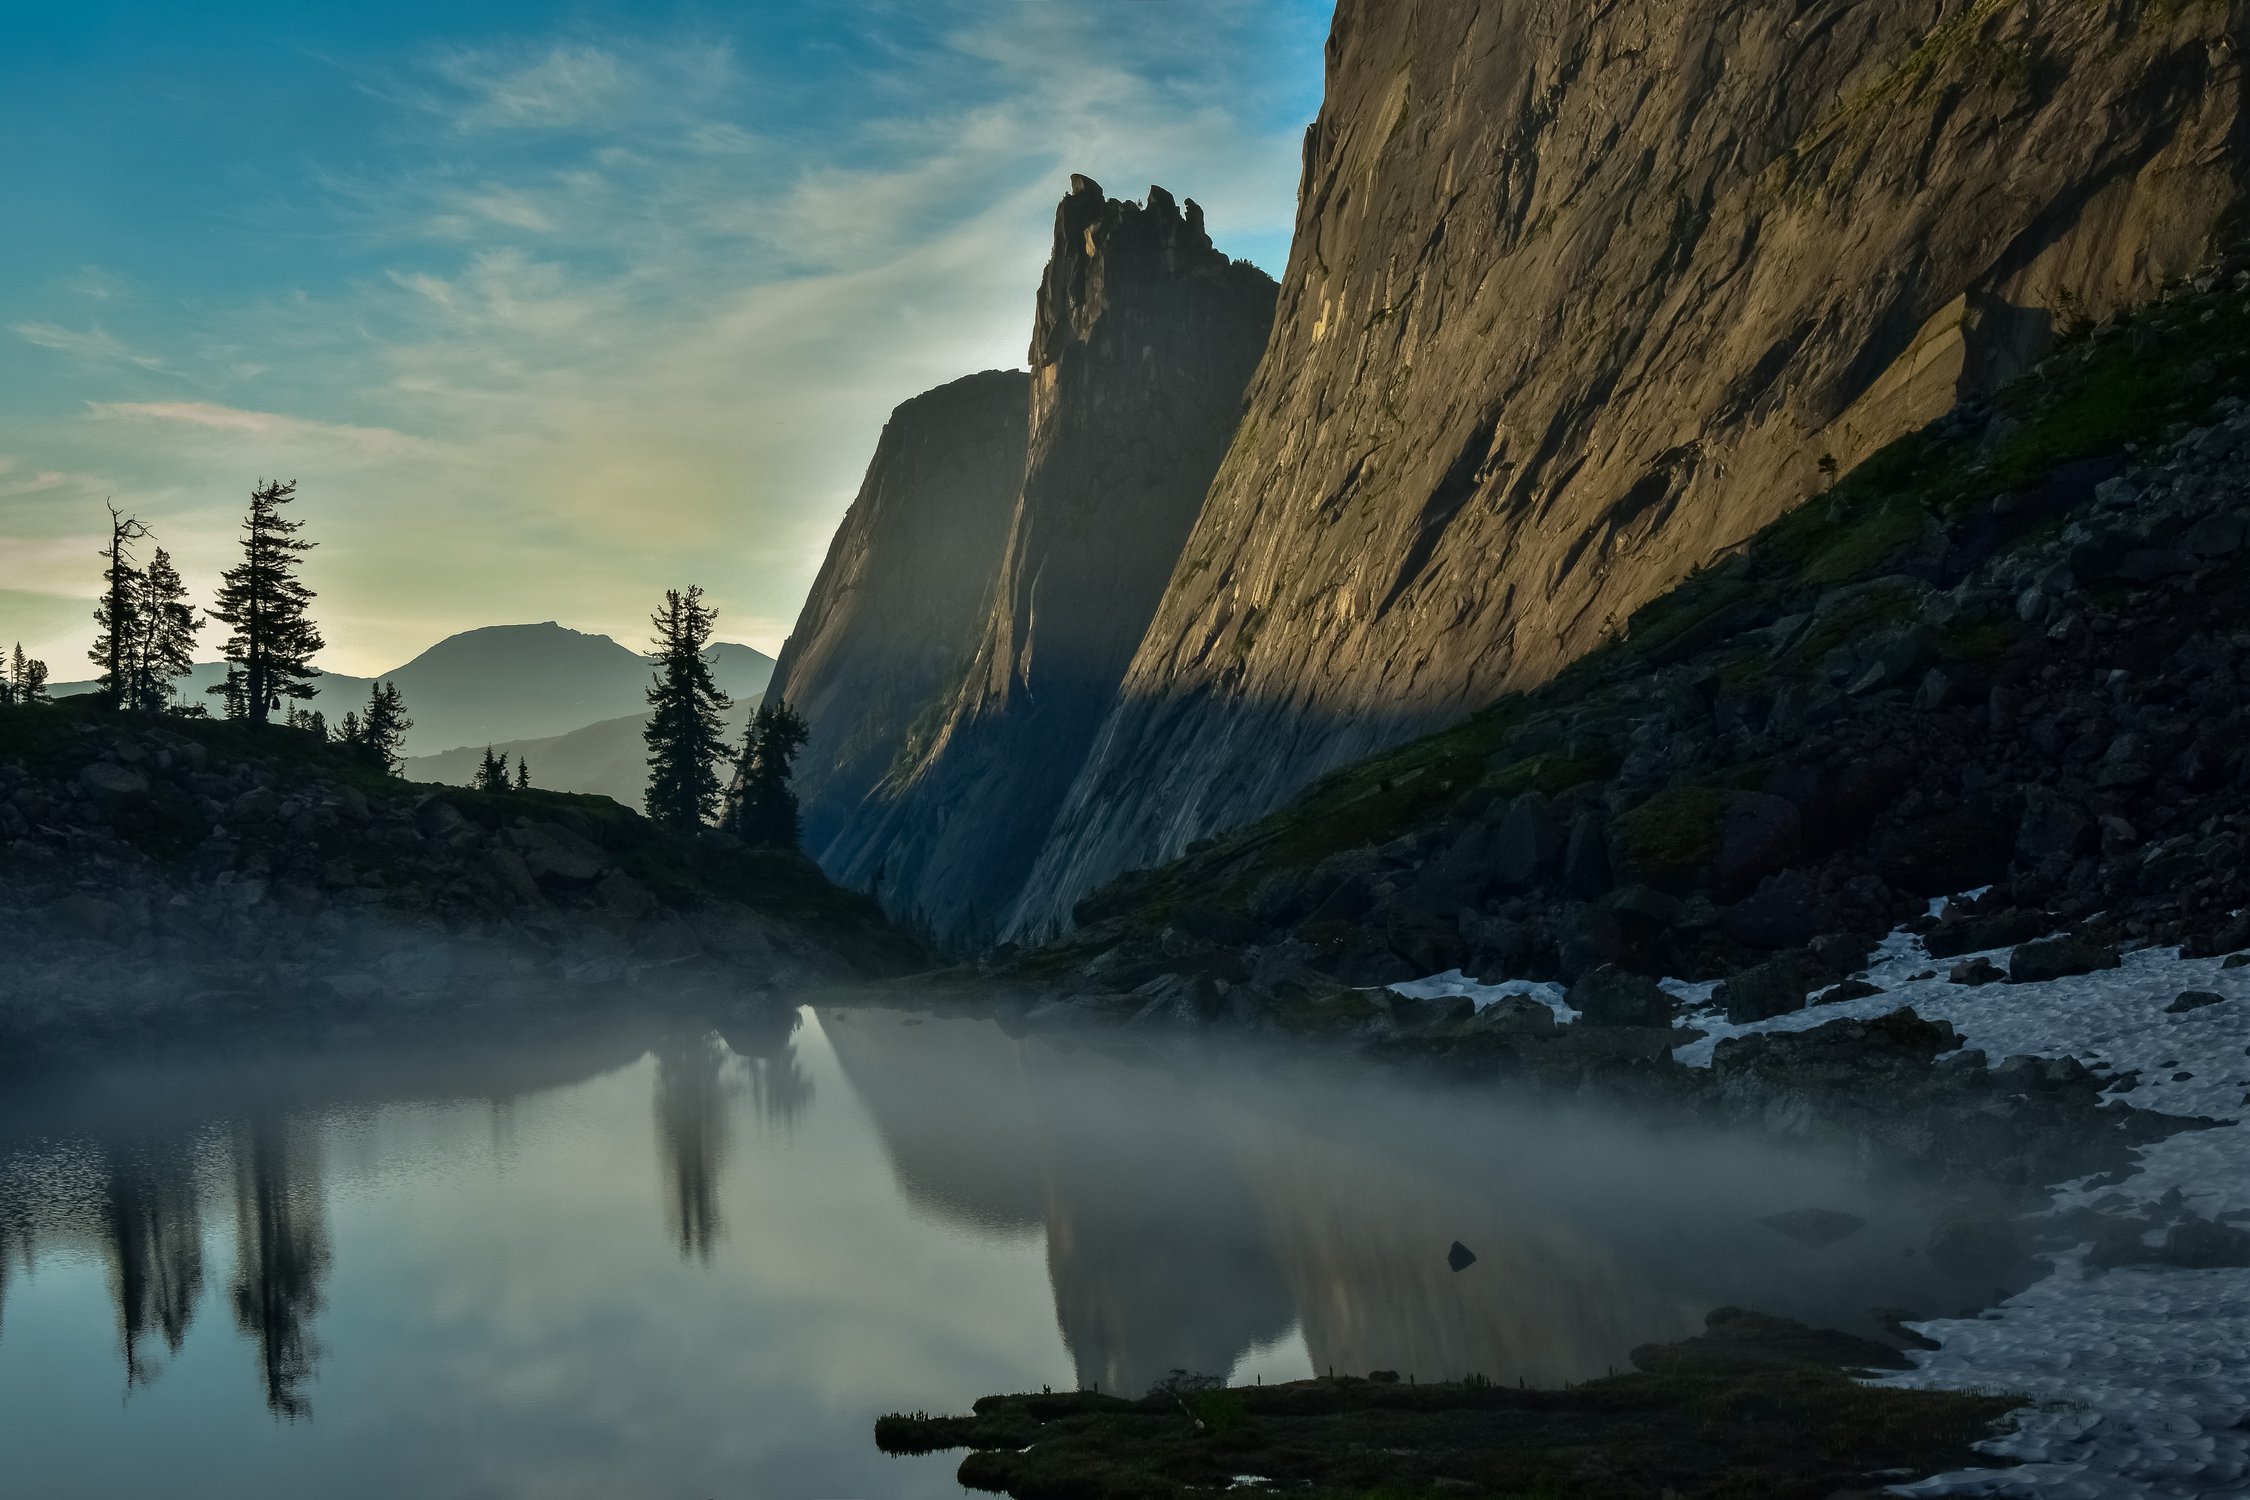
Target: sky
548, 308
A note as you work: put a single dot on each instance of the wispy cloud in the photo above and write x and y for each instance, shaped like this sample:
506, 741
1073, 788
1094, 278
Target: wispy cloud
92, 345
266, 427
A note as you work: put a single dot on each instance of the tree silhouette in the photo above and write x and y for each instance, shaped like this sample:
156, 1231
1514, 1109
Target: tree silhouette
117, 613
269, 655
281, 1255
492, 773
761, 808
164, 650
686, 734
380, 732
523, 774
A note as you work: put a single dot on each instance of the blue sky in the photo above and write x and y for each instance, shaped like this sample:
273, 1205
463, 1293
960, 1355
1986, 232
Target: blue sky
549, 308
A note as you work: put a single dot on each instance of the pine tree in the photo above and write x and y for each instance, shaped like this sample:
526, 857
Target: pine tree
523, 774
492, 772
118, 612
272, 646
381, 730
350, 732
8, 675
31, 679
686, 734
761, 807
310, 721
165, 649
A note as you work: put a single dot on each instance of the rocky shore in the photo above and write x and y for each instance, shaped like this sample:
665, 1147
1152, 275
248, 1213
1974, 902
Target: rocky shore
163, 874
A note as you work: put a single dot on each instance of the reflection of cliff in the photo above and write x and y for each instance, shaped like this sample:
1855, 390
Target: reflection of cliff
1156, 1258
153, 1236
691, 1129
281, 1253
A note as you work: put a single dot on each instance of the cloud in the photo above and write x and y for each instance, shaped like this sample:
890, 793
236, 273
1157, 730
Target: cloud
266, 427
93, 345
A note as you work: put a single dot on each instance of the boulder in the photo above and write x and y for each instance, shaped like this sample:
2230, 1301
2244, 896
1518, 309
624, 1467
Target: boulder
556, 856
107, 780
2058, 958
1758, 835
1773, 988
2194, 1000
1527, 843
1613, 996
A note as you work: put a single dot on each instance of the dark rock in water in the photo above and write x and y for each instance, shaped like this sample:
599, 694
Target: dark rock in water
1460, 1257
2059, 958
1850, 989
2194, 1000
1611, 996
1977, 971
1814, 1228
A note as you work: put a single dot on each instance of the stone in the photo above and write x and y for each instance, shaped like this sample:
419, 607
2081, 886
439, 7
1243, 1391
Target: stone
1613, 996
554, 855
506, 869
1459, 1258
1515, 1016
1850, 989
2194, 1000
1758, 835
1773, 988
1527, 843
1586, 869
2058, 958
2153, 564
2215, 536
1977, 971
107, 780
2053, 826
1785, 911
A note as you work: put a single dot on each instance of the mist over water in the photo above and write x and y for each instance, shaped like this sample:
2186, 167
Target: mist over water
667, 1258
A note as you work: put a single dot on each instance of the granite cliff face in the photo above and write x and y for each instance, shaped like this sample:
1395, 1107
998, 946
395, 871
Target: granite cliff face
1582, 297
899, 604
1145, 338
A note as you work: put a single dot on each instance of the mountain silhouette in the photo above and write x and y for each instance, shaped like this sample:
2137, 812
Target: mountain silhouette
505, 683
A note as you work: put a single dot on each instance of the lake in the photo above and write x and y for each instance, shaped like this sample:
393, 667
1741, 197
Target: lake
665, 1258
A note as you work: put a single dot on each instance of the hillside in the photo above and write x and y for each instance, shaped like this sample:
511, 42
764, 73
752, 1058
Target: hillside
165, 874
1580, 298
504, 683
2003, 656
609, 759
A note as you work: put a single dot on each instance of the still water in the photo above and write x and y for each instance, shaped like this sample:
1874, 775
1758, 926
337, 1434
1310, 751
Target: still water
665, 1260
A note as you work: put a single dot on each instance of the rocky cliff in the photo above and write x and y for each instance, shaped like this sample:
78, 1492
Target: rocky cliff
1145, 339
900, 601
1583, 296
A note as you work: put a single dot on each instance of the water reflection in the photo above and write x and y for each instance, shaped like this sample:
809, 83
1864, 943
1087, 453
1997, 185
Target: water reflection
153, 1241
281, 1254
1186, 1210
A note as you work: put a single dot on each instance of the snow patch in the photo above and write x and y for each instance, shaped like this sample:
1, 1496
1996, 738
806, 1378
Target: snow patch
1454, 982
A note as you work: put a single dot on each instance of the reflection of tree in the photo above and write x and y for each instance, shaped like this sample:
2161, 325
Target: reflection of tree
14, 1240
281, 1254
153, 1231
691, 1127
780, 1088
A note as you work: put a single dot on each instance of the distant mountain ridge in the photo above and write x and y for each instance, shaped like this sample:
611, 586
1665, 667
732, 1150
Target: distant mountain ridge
608, 759
507, 683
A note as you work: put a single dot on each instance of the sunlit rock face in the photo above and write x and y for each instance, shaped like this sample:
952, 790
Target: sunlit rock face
900, 601
1145, 338
1580, 297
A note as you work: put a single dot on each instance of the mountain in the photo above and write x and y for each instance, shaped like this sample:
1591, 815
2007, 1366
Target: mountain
1580, 298
900, 600
505, 683
1144, 339
608, 759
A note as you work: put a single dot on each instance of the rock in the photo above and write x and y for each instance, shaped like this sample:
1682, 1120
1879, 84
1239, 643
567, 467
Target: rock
1785, 911
2053, 826
2193, 1000
1977, 971
1814, 1228
2058, 958
1515, 1016
2215, 536
506, 870
1646, 904
86, 916
1527, 843
1850, 989
624, 895
107, 780
1758, 836
554, 855
1586, 858
258, 805
1939, 854
1612, 996
2153, 564
1459, 1258
1773, 988
1951, 937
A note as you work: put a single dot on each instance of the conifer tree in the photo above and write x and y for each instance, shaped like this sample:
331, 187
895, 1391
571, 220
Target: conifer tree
117, 613
761, 807
272, 646
523, 774
165, 650
9, 672
492, 772
31, 679
686, 734
349, 732
381, 730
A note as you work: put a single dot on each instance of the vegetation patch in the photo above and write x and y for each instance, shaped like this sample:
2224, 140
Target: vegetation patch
1673, 834
1756, 1408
